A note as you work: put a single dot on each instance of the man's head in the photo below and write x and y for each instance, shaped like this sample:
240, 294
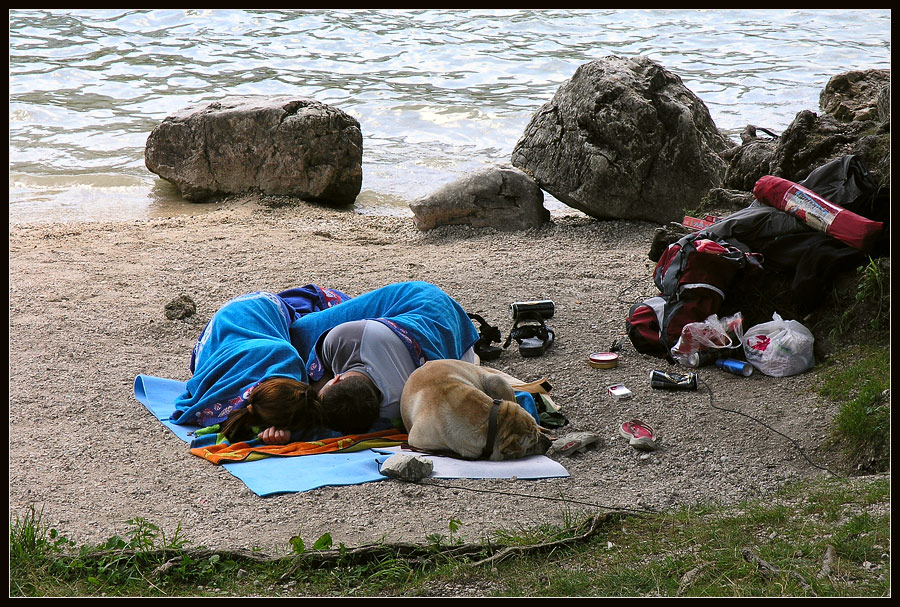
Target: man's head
350, 403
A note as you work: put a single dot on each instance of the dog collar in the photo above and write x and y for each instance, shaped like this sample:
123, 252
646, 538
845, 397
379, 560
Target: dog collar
492, 429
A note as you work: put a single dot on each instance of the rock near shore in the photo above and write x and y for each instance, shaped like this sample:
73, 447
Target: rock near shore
855, 120
501, 197
624, 139
280, 146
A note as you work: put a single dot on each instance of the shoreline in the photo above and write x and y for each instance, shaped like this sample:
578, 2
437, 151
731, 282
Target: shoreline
369, 204
87, 315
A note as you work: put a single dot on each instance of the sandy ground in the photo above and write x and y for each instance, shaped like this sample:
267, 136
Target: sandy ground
86, 315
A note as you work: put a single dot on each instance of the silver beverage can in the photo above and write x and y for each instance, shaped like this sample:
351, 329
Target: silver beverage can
668, 380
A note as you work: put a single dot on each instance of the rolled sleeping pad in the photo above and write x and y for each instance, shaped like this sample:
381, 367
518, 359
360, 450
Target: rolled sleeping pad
817, 212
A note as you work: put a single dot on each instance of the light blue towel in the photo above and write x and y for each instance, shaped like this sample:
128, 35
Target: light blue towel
275, 475
271, 475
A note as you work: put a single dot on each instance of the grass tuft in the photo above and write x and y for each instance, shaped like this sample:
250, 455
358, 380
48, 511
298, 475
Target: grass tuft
705, 551
860, 380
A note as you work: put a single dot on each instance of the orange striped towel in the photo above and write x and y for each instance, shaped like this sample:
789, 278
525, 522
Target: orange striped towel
223, 453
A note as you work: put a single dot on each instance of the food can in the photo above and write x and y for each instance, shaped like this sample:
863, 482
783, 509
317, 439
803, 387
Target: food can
700, 359
544, 308
603, 360
667, 380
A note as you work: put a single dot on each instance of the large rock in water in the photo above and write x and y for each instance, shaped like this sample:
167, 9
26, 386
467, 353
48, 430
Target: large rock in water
624, 139
857, 95
500, 197
282, 146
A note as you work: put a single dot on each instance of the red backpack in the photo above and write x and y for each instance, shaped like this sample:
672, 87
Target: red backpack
692, 275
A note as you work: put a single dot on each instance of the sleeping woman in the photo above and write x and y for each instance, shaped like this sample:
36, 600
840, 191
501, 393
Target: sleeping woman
246, 374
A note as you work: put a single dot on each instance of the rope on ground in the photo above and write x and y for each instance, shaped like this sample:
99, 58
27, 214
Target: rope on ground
564, 500
794, 442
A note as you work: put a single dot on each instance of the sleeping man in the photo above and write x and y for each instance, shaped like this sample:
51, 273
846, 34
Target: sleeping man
358, 366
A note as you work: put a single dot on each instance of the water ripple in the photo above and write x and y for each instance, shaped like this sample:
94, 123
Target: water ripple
437, 92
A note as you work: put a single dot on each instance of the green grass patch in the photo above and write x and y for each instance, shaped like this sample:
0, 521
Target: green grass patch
776, 547
859, 378
858, 311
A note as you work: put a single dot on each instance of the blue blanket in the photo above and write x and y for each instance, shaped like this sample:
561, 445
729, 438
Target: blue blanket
246, 341
261, 335
271, 475
431, 324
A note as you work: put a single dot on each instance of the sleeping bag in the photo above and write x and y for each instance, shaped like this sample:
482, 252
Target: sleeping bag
818, 212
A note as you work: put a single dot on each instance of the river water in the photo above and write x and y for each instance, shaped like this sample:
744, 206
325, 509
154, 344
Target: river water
438, 93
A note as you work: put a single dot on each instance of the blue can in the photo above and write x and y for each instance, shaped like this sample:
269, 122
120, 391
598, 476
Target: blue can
734, 366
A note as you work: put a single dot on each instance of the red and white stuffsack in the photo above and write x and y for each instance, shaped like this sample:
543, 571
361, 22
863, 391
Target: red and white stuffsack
817, 212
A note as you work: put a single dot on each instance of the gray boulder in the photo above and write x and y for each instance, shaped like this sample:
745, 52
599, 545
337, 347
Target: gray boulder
624, 139
855, 95
812, 140
282, 146
749, 161
500, 197
407, 467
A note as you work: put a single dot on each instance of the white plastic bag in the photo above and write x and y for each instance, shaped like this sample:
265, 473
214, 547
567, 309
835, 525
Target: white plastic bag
779, 348
700, 341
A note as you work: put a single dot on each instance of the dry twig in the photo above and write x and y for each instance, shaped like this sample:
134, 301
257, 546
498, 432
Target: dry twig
769, 570
827, 562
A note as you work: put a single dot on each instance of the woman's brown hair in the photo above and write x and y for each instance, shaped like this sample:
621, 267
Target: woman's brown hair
279, 402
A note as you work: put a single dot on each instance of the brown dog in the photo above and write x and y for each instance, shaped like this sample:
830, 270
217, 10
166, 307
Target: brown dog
447, 405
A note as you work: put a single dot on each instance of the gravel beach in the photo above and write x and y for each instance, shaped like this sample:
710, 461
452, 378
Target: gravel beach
86, 315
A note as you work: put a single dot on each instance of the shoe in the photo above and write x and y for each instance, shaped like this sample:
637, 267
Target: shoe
488, 334
532, 334
577, 442
639, 435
